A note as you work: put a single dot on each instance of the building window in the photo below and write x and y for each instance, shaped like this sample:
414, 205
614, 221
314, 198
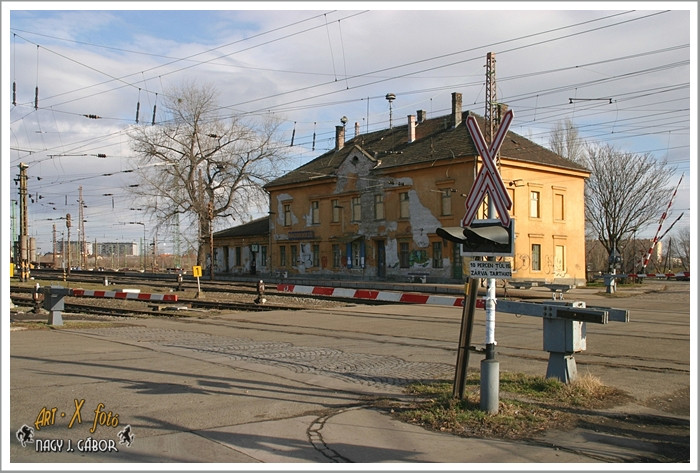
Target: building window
437, 254
511, 193
238, 256
558, 207
534, 204
263, 255
379, 207
335, 213
293, 255
315, 255
356, 209
315, 218
446, 207
403, 202
287, 215
536, 257
336, 256
404, 255
358, 254
283, 256
559, 260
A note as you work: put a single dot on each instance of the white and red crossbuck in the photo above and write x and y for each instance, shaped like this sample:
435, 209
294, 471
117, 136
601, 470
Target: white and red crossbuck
489, 179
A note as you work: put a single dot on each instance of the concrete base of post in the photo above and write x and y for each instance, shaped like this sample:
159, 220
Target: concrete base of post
562, 366
489, 386
55, 317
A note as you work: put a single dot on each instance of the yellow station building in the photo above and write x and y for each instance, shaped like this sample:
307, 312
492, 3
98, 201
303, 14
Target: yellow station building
369, 208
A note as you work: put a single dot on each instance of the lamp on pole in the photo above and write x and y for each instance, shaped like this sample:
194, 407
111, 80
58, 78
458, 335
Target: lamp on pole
144, 241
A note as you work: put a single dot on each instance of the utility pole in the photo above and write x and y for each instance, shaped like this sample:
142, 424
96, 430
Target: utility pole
154, 265
54, 246
15, 246
81, 230
67, 249
24, 227
178, 263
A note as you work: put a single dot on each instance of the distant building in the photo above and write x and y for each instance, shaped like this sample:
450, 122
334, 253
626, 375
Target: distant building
74, 246
117, 249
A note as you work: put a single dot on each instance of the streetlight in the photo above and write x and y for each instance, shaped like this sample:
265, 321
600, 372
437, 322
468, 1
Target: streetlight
144, 242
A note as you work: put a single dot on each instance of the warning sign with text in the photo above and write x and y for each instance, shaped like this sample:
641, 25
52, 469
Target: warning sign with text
490, 269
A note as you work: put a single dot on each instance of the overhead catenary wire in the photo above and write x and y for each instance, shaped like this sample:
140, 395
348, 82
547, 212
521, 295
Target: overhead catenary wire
313, 142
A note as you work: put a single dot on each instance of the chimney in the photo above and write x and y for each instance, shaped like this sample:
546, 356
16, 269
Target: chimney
456, 108
357, 129
411, 128
421, 116
339, 137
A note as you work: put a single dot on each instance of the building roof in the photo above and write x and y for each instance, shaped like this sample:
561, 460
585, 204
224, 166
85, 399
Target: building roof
436, 139
254, 228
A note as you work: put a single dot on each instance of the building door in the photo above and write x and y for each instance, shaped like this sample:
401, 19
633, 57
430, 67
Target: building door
457, 261
381, 259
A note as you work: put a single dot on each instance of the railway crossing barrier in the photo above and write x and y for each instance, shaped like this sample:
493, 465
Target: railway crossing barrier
564, 329
54, 303
123, 294
54, 298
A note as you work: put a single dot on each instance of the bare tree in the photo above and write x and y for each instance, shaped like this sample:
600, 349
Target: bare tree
565, 141
625, 192
683, 247
202, 166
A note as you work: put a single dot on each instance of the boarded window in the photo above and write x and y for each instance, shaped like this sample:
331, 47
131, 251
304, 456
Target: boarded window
403, 202
534, 204
446, 203
558, 207
336, 256
315, 255
287, 215
437, 254
335, 213
379, 207
356, 209
294, 257
404, 255
536, 257
315, 217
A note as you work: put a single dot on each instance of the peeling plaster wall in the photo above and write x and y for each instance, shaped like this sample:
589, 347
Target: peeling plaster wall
305, 257
392, 253
422, 220
281, 198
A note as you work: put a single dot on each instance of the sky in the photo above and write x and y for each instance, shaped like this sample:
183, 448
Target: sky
624, 73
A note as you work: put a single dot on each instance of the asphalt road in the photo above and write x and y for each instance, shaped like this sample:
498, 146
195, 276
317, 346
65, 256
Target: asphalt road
293, 386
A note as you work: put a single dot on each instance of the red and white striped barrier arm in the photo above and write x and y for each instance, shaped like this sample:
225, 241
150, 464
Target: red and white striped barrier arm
385, 296
123, 295
685, 274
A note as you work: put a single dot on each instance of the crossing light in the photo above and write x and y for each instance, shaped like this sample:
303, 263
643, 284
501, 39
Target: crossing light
482, 238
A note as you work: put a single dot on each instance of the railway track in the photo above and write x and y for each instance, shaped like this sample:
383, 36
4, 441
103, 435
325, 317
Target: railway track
151, 309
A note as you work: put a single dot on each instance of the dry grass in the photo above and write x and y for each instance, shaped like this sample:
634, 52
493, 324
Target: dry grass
528, 405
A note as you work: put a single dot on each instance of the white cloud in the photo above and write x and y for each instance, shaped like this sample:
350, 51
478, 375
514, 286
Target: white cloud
312, 72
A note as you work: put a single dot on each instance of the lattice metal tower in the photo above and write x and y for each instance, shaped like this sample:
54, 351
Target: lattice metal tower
491, 106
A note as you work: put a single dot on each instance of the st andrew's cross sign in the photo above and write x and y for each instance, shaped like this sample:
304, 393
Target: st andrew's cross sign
488, 179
